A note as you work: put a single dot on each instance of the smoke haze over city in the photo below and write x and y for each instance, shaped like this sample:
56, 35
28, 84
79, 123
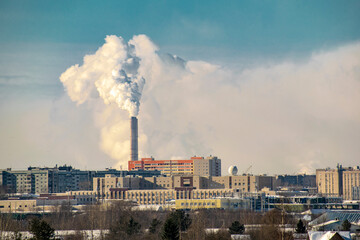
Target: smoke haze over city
266, 96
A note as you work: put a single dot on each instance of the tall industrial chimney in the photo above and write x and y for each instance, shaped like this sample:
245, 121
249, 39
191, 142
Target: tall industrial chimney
134, 139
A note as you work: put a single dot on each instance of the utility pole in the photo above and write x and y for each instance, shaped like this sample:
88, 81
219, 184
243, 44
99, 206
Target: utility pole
179, 228
282, 220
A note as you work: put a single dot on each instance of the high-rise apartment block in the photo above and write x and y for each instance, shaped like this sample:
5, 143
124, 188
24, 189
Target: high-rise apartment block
329, 181
33, 180
200, 166
341, 182
351, 182
58, 179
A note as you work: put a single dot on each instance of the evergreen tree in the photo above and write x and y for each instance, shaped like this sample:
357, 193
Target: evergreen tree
300, 227
132, 227
41, 230
346, 225
236, 228
181, 218
170, 230
154, 225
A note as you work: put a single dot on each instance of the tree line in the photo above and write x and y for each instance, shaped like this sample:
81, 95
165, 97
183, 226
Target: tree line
119, 221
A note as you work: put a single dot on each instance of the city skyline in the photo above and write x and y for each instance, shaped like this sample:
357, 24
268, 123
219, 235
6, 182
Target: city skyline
270, 85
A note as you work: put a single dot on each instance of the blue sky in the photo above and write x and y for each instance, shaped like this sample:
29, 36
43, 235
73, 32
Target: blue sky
39, 40
246, 26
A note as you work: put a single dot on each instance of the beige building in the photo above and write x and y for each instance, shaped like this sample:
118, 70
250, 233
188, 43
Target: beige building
104, 184
222, 203
159, 190
328, 181
351, 180
209, 166
81, 197
17, 205
244, 183
148, 197
339, 182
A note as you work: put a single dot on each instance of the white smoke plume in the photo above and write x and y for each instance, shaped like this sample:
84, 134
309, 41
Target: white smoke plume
112, 71
284, 117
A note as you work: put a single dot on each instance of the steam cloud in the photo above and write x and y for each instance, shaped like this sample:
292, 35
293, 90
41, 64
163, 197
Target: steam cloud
280, 117
113, 70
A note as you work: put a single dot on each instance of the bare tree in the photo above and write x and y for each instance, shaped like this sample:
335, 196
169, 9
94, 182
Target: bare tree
197, 227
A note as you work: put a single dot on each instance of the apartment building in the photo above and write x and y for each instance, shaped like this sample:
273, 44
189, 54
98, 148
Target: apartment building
351, 181
341, 182
31, 181
7, 181
36, 180
209, 166
329, 181
355, 193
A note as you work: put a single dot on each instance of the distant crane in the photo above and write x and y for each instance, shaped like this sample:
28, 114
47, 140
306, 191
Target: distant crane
247, 170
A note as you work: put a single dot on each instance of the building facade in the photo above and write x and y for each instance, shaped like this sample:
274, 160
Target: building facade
209, 166
157, 196
31, 181
295, 181
341, 182
17, 205
210, 203
158, 190
329, 181
61, 179
351, 181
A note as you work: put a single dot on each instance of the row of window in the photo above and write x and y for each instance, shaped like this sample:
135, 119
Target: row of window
2, 206
198, 204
